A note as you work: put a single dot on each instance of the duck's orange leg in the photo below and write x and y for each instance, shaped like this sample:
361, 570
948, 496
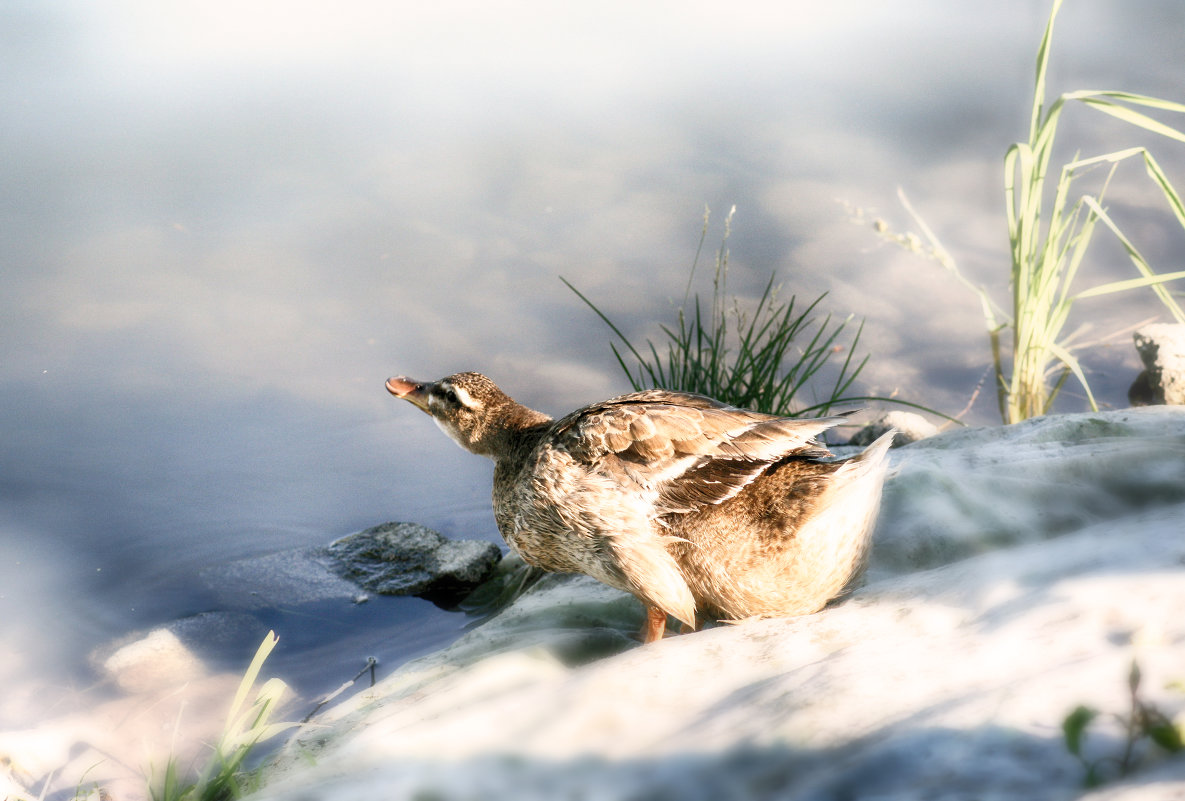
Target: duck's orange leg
656, 624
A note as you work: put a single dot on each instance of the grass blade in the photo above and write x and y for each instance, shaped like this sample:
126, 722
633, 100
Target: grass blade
1133, 117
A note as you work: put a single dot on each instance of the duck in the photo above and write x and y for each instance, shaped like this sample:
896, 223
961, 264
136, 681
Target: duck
701, 510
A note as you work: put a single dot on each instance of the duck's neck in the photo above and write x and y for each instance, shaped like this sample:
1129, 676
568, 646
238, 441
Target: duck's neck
513, 434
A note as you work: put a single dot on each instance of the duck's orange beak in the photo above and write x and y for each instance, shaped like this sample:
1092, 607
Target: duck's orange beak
415, 392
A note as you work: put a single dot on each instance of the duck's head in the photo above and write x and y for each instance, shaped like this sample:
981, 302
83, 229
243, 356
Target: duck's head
467, 406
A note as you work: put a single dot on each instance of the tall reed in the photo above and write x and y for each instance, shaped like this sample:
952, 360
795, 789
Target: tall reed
1048, 243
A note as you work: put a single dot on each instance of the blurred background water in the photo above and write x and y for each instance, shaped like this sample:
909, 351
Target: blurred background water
224, 224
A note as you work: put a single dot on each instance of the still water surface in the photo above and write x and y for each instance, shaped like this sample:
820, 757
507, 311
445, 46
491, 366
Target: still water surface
224, 225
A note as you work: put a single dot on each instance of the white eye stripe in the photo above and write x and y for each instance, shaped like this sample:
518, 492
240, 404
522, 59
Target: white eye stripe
449, 391
466, 399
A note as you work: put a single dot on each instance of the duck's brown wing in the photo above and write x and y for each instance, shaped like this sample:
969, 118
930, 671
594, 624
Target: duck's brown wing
688, 450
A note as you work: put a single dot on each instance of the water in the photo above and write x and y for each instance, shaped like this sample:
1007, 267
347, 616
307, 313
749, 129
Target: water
224, 227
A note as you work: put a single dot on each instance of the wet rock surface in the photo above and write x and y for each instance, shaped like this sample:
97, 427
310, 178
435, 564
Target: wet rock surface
410, 559
286, 578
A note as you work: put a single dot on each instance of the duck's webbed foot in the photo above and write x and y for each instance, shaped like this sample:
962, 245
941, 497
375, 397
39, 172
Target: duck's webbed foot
655, 625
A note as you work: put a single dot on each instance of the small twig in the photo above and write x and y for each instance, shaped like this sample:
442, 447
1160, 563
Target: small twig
1135, 719
371, 664
971, 402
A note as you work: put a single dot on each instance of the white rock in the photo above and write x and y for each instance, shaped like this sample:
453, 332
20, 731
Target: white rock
156, 661
969, 491
1162, 350
910, 427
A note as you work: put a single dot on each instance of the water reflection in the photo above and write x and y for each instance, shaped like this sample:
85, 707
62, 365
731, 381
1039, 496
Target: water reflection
222, 230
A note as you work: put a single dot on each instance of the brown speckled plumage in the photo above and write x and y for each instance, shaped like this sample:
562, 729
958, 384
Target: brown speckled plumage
697, 508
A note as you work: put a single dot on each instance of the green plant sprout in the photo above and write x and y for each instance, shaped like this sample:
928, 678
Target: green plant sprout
246, 727
750, 359
1048, 247
1143, 722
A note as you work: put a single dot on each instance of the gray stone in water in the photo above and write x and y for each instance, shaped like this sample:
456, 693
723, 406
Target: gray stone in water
410, 559
287, 578
1162, 349
910, 428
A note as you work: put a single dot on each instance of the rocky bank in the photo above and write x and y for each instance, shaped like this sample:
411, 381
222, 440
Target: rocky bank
1017, 574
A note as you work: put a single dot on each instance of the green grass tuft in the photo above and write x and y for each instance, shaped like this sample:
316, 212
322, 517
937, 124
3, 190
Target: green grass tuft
224, 776
769, 357
1145, 728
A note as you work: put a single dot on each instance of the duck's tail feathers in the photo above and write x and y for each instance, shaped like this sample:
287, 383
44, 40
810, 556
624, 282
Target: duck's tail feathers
873, 457
843, 528
654, 576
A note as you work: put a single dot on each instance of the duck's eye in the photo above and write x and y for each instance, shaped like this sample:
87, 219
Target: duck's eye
450, 396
